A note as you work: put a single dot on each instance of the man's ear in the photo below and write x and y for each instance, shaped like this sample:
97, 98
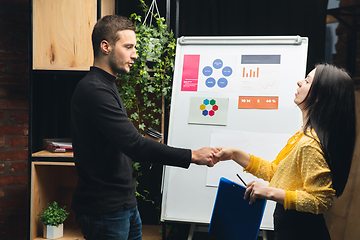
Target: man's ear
105, 47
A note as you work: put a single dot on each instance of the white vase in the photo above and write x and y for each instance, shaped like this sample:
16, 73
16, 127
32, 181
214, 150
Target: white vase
53, 232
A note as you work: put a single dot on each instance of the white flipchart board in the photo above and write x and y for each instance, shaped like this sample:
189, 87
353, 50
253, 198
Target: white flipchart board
229, 91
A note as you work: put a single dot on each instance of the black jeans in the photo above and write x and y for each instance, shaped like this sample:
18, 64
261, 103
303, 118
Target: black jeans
294, 225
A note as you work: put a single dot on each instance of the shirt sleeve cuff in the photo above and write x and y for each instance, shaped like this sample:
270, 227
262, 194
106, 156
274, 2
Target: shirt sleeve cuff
254, 164
290, 200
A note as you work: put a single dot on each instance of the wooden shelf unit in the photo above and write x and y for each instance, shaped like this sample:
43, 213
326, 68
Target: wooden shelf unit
52, 181
61, 54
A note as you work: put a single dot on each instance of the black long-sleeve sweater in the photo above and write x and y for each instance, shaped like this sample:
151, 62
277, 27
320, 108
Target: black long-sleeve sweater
105, 142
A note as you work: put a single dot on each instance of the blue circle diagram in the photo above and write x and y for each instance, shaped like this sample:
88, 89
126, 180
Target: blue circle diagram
217, 66
218, 63
222, 82
207, 71
227, 71
210, 82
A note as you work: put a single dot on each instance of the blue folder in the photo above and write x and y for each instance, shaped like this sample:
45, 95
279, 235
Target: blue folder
233, 217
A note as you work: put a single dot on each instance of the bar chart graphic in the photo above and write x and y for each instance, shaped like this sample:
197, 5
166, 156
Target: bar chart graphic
260, 75
250, 72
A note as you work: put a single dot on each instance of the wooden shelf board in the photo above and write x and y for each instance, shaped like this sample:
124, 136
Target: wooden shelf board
46, 153
53, 163
70, 233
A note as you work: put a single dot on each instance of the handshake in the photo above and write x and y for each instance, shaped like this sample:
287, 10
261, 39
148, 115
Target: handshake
205, 156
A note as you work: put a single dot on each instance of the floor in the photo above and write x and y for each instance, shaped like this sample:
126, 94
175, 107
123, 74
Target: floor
152, 232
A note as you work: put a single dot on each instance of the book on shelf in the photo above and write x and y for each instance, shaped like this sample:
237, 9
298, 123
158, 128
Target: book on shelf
56, 145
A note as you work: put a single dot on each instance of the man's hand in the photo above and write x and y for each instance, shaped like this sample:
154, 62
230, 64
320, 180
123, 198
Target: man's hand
204, 156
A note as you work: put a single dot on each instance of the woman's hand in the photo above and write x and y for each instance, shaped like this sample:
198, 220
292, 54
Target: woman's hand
228, 153
225, 153
256, 189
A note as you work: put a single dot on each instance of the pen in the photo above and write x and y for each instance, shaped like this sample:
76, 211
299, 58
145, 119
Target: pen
241, 179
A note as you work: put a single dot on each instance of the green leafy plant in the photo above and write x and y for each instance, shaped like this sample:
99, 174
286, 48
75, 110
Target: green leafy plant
147, 86
137, 172
53, 215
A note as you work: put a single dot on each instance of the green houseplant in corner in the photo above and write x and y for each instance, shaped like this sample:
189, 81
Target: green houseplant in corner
53, 219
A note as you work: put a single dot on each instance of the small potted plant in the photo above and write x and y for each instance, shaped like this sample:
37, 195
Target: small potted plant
53, 219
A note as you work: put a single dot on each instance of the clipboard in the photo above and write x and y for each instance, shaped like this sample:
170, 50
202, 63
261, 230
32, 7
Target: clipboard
233, 217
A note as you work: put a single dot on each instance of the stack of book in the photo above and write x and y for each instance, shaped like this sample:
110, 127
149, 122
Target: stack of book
58, 145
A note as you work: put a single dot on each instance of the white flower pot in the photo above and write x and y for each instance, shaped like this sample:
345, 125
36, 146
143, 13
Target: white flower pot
53, 232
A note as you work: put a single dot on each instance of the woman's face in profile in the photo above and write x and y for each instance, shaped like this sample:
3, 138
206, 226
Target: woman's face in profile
303, 89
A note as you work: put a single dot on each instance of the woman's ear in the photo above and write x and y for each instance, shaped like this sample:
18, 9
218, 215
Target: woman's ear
105, 47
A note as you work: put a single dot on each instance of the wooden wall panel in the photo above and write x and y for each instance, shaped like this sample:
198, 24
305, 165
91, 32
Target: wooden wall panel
107, 7
62, 34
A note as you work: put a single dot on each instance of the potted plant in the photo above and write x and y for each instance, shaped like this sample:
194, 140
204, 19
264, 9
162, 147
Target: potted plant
146, 88
53, 219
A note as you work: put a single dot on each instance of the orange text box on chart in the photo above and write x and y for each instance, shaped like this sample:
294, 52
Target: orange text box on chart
246, 102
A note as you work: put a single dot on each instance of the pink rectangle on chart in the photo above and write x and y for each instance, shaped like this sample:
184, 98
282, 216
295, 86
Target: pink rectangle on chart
190, 73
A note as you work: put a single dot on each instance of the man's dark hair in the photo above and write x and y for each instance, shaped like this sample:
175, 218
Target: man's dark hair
107, 28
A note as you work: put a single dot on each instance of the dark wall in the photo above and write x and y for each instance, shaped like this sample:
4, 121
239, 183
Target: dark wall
306, 18
14, 104
126, 8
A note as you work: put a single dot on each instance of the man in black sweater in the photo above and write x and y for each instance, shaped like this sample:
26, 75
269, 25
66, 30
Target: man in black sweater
105, 141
